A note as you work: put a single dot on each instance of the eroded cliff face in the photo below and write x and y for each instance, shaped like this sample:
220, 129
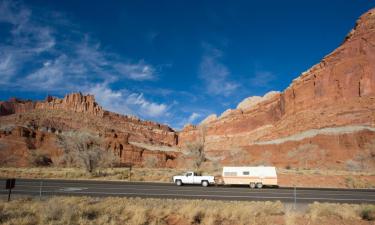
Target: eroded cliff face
134, 142
329, 108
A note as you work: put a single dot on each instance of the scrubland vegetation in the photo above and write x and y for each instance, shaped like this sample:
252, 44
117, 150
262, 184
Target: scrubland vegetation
136, 174
89, 210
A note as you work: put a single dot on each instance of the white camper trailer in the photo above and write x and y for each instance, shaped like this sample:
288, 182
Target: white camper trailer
252, 176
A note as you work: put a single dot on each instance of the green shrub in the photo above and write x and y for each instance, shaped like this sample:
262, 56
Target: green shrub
368, 213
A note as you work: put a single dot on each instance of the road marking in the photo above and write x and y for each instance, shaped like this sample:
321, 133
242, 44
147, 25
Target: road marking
71, 189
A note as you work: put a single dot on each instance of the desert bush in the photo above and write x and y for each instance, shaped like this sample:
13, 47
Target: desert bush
307, 154
355, 182
195, 151
365, 160
342, 211
150, 161
353, 165
84, 150
368, 212
37, 158
7, 127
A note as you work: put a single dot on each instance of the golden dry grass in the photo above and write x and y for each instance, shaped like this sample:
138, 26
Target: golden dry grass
89, 210
137, 174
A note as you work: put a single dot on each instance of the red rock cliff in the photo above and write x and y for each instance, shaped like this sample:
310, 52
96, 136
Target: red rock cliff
328, 107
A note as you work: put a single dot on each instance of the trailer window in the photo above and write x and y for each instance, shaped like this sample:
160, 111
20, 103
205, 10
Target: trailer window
230, 174
245, 173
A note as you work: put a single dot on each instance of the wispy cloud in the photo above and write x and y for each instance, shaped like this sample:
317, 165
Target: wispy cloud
193, 117
125, 102
137, 71
147, 108
42, 57
215, 74
28, 39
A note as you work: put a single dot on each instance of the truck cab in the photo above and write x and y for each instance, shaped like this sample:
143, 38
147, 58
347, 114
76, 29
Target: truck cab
191, 177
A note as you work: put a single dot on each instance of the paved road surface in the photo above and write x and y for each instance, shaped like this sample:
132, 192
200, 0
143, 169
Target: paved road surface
165, 190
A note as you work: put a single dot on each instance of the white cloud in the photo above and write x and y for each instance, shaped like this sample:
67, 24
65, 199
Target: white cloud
10, 12
147, 108
216, 74
48, 77
7, 67
125, 102
109, 99
138, 71
193, 117
61, 60
84, 60
28, 39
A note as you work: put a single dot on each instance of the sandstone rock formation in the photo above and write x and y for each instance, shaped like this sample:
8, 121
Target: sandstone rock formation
252, 101
76, 112
336, 94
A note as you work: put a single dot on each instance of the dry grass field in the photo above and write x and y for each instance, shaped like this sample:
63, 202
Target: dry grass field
137, 174
89, 210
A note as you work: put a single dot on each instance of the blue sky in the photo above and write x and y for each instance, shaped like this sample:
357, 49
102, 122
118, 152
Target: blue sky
174, 62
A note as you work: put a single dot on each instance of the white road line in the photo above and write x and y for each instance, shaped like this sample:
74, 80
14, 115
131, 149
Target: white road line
217, 196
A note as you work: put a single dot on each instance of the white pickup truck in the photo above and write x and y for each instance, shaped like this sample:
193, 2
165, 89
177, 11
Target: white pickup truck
193, 178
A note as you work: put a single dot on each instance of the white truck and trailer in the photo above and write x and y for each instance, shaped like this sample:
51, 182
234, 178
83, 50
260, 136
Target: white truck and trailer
255, 177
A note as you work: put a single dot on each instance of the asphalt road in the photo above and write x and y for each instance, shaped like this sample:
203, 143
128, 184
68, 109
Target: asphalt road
165, 190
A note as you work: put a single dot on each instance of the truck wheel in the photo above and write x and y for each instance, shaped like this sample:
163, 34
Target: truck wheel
252, 185
204, 183
259, 185
178, 183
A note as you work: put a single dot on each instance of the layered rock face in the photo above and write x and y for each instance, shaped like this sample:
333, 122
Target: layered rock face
134, 141
73, 102
58, 114
330, 108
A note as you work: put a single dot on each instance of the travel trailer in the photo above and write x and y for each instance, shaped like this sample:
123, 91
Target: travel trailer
255, 177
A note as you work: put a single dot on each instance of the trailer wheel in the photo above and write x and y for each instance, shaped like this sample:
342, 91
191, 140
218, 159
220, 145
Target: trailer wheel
252, 185
259, 185
178, 182
204, 183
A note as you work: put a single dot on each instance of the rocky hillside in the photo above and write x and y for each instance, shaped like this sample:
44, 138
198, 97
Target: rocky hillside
28, 126
325, 118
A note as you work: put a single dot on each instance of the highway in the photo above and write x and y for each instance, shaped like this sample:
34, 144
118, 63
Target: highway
49, 187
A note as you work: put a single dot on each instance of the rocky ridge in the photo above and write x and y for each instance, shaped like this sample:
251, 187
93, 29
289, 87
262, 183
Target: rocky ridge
78, 112
336, 93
